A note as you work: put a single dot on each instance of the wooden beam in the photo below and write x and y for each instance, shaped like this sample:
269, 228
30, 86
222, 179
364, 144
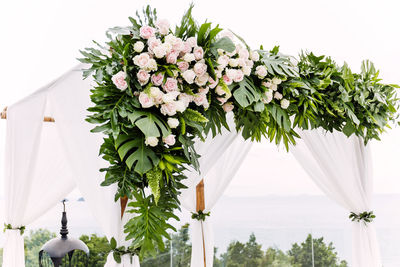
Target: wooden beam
200, 205
124, 201
45, 119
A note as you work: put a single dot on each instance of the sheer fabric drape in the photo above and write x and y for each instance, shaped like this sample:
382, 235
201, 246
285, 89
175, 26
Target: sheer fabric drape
223, 164
342, 168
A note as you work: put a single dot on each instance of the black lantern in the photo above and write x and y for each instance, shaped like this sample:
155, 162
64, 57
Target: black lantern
64, 251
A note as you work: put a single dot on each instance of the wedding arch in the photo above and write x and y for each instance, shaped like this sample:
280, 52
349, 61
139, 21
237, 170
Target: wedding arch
177, 111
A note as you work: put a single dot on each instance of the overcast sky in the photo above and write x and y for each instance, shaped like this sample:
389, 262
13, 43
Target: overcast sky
40, 41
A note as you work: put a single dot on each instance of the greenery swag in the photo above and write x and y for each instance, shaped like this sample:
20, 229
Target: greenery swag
8, 226
366, 216
158, 89
200, 215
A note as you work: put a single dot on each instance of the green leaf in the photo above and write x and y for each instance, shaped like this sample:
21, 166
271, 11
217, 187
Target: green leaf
245, 93
136, 154
224, 43
117, 257
154, 177
113, 243
348, 129
149, 124
259, 106
194, 115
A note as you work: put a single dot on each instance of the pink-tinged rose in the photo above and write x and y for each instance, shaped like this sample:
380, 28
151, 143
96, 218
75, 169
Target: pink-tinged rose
222, 100
189, 76
147, 32
278, 96
153, 42
228, 107
200, 68
141, 60
170, 85
213, 83
266, 84
227, 79
143, 77
152, 65
187, 48
223, 61
151, 141
238, 76
241, 62
160, 51
246, 70
183, 65
249, 63
199, 99
172, 57
219, 90
261, 71
226, 33
157, 95
162, 26
204, 91
231, 73
169, 140
145, 100
198, 53
157, 79
168, 109
273, 87
192, 41
178, 45
119, 80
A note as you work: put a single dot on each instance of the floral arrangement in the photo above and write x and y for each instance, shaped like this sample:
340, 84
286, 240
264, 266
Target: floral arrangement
158, 89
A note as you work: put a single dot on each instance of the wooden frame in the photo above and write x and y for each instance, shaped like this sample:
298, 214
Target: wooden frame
45, 119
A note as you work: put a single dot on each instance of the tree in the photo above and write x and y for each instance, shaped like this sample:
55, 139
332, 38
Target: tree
275, 257
33, 244
324, 255
243, 255
99, 249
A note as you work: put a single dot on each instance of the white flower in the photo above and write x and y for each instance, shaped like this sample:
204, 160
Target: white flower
285, 103
145, 100
223, 61
138, 46
243, 53
151, 141
169, 140
141, 60
200, 68
170, 38
151, 65
170, 97
227, 107
231, 73
269, 96
278, 96
167, 47
246, 70
119, 80
219, 90
202, 80
273, 87
173, 123
233, 62
192, 41
261, 72
180, 105
276, 80
160, 51
162, 26
189, 57
189, 76
254, 56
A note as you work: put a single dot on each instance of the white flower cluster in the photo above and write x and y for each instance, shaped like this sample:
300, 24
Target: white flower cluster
272, 92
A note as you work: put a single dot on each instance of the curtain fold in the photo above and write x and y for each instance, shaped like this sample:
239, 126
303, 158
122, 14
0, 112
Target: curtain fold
342, 169
223, 165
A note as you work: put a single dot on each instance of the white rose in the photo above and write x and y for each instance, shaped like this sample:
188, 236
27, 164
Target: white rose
167, 47
223, 61
160, 51
180, 105
170, 38
202, 80
233, 62
278, 96
219, 90
173, 123
162, 26
276, 80
189, 57
151, 65
189, 76
261, 72
273, 87
151, 141
254, 56
138, 47
246, 70
192, 41
169, 140
170, 97
285, 103
269, 96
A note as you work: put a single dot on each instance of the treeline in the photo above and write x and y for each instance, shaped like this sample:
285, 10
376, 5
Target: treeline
238, 254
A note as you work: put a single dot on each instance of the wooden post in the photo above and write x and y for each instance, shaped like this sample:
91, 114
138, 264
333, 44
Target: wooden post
124, 201
4, 116
200, 205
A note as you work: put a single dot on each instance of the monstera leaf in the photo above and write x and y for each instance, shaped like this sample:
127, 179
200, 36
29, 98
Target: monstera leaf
136, 154
149, 123
278, 64
245, 93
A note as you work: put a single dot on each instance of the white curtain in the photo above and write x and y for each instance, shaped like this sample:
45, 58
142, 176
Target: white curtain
36, 176
342, 168
45, 161
225, 163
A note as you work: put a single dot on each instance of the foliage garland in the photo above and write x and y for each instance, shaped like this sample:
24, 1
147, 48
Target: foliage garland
158, 89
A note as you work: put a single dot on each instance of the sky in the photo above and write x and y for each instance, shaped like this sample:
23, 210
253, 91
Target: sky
40, 40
